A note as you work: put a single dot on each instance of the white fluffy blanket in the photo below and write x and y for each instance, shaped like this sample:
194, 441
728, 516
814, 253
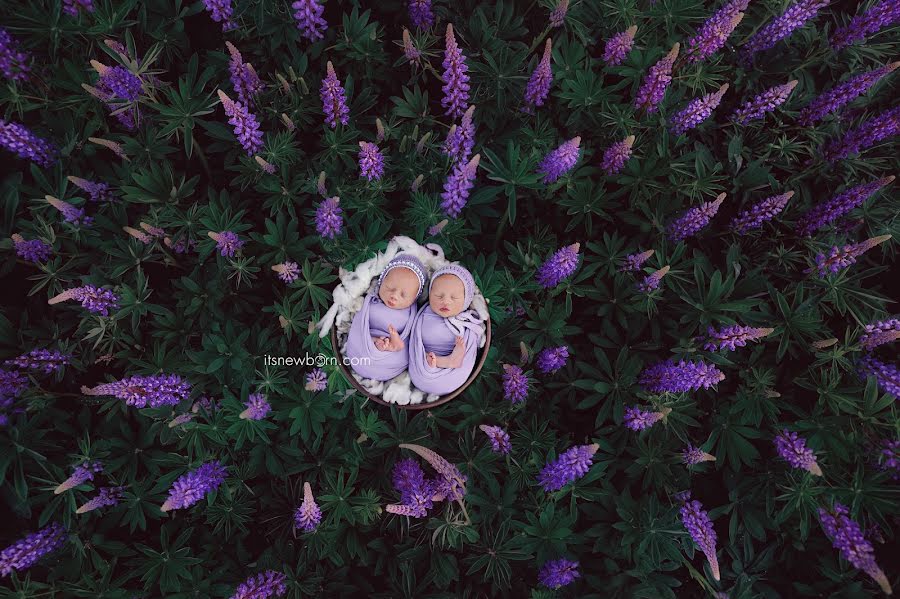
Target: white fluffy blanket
348, 299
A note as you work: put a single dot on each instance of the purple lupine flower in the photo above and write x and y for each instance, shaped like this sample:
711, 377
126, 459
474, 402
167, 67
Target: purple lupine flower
672, 377
97, 300
33, 250
420, 13
778, 29
71, 214
262, 586
416, 493
72, 7
765, 102
227, 242
652, 280
108, 496
694, 219
328, 218
451, 482
246, 127
560, 161
655, 83
558, 573
316, 380
515, 384
456, 79
118, 83
308, 14
18, 139
371, 162
827, 212
409, 50
843, 257
407, 476
792, 449
80, 475
633, 262
334, 99
265, 165
713, 34
573, 464
499, 438
880, 15
436, 229
866, 135
539, 84
461, 139
843, 93
848, 538
559, 266
308, 515
618, 46
98, 192
691, 456
13, 61
287, 271
879, 333
26, 552
142, 391
115, 147
192, 486
45, 360
552, 359
887, 375
458, 186
558, 14
698, 525
257, 407
762, 211
734, 336
697, 111
637, 419
243, 77
889, 458
12, 383
220, 12
182, 245
616, 155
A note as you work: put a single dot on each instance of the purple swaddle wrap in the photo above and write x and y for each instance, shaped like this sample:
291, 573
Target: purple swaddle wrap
373, 319
432, 332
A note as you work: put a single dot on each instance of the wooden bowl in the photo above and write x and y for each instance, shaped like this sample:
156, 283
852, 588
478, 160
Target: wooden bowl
424, 404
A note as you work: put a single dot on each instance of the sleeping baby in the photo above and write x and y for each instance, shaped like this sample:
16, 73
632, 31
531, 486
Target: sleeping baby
444, 340
376, 343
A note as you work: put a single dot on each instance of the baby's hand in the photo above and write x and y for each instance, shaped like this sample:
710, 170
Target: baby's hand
455, 359
431, 358
381, 343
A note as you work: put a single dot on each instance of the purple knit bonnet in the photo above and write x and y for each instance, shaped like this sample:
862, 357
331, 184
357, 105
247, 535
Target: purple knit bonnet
464, 275
406, 261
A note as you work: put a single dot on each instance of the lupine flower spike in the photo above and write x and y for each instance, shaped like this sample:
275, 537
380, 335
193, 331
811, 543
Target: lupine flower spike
420, 13
243, 77
559, 266
841, 94
451, 484
45, 360
73, 7
461, 139
227, 242
560, 161
515, 384
697, 111
98, 192
456, 79
316, 380
106, 497
552, 359
18, 139
409, 50
194, 486
883, 126
618, 46
840, 258
637, 419
698, 525
881, 14
97, 300
145, 391
558, 573
694, 219
499, 438
246, 127
713, 34
886, 375
652, 280
691, 456
793, 18
70, 213
848, 538
570, 466
26, 552
828, 212
371, 162
13, 61
763, 211
655, 83
633, 262
308, 14
116, 148
264, 585
328, 218
880, 333
308, 515
792, 449
616, 155
734, 336
672, 377
458, 186
334, 99
33, 250
80, 475
221, 12
257, 407
765, 102
558, 14
287, 271
539, 85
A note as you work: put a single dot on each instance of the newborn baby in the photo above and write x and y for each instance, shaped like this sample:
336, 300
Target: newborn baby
445, 335
376, 343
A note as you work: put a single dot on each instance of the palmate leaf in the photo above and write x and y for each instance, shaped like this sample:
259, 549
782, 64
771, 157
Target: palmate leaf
166, 567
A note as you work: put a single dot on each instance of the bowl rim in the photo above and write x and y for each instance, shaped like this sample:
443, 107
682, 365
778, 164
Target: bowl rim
425, 404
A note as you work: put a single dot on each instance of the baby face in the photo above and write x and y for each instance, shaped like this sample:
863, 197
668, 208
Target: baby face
399, 288
447, 295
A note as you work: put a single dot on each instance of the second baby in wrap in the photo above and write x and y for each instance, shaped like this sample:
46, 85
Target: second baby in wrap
376, 344
443, 344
